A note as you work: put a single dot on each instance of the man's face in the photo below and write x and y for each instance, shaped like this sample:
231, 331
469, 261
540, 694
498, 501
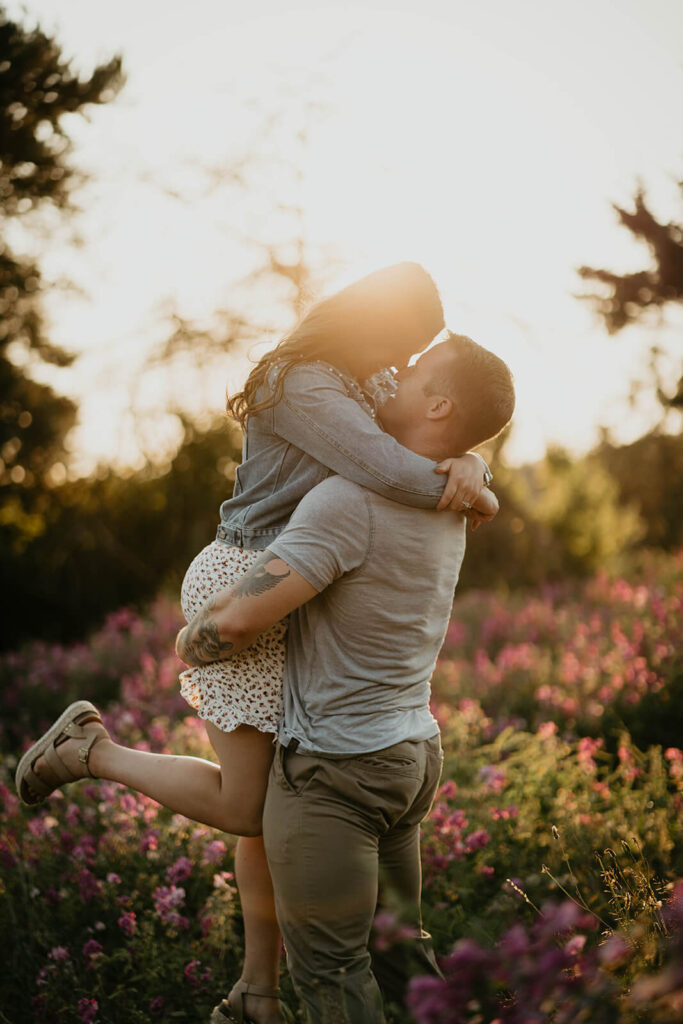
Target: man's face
410, 403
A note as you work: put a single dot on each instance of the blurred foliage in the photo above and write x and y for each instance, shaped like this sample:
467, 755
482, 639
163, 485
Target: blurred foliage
38, 89
649, 474
113, 540
567, 517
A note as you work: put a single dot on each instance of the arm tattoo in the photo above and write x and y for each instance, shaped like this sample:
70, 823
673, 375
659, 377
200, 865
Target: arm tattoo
258, 580
201, 642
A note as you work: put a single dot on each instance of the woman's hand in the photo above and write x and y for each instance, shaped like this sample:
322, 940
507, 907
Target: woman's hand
485, 509
465, 482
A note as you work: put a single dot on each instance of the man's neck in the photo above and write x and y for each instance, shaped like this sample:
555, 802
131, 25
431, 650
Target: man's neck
422, 442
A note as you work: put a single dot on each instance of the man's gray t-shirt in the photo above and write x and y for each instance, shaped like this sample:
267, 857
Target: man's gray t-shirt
360, 654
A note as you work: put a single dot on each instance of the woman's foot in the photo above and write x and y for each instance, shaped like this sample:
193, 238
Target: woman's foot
62, 754
251, 1004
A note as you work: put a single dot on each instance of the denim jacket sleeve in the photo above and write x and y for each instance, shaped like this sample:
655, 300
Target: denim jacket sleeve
317, 414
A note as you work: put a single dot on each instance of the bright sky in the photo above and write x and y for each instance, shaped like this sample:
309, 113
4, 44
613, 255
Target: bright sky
485, 140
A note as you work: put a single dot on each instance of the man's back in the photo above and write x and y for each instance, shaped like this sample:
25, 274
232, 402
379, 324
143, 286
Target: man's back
361, 654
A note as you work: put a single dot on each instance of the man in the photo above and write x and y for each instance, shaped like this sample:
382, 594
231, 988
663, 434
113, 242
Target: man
370, 585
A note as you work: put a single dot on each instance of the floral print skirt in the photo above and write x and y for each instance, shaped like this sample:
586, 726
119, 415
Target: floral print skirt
247, 688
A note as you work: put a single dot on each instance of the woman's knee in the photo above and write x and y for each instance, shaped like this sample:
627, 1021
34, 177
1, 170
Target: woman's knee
240, 816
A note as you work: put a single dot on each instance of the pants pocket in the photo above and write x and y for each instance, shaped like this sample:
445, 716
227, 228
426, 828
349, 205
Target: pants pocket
278, 769
294, 772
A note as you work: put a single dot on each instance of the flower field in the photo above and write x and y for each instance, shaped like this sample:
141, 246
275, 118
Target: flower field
552, 855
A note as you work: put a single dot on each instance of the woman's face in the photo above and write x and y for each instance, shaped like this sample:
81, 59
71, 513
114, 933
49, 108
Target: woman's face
393, 350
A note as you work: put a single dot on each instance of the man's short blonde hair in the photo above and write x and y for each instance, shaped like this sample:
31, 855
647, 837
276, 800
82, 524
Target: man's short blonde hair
480, 385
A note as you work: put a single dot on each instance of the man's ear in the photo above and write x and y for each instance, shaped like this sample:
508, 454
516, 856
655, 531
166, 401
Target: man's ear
440, 407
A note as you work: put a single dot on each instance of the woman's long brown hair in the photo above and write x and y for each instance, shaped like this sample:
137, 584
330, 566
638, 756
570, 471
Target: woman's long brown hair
400, 301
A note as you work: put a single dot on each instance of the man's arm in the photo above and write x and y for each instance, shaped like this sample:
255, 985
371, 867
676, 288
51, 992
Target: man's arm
233, 618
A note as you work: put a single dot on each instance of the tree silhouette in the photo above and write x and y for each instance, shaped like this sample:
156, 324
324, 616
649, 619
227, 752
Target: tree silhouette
37, 89
627, 298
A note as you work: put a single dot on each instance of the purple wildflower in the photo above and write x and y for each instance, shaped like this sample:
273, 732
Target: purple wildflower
214, 851
179, 871
87, 1009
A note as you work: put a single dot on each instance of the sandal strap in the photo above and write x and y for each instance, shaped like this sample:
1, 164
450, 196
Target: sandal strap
57, 766
257, 990
235, 1011
36, 784
76, 730
73, 730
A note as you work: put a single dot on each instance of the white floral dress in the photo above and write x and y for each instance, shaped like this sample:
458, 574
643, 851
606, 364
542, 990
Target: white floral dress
247, 688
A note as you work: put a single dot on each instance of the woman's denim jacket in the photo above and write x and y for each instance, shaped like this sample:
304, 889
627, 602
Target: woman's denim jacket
323, 424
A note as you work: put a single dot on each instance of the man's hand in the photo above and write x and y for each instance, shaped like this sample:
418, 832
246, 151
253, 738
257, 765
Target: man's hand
233, 618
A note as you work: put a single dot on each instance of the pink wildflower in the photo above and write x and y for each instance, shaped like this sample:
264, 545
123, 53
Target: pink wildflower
477, 840
72, 815
85, 849
58, 953
389, 931
150, 840
587, 747
88, 885
493, 777
87, 1009
504, 813
191, 973
92, 953
214, 851
222, 879
166, 899
128, 803
614, 952
127, 922
575, 945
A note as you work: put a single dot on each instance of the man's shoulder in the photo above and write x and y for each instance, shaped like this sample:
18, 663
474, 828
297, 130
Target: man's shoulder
337, 492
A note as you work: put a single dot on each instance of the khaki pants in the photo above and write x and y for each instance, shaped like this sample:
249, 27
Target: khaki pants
342, 838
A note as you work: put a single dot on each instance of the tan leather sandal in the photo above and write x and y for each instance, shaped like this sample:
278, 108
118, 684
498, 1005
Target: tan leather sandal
226, 1013
75, 723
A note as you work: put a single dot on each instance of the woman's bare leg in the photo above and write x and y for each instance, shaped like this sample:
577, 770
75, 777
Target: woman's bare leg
262, 940
229, 797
